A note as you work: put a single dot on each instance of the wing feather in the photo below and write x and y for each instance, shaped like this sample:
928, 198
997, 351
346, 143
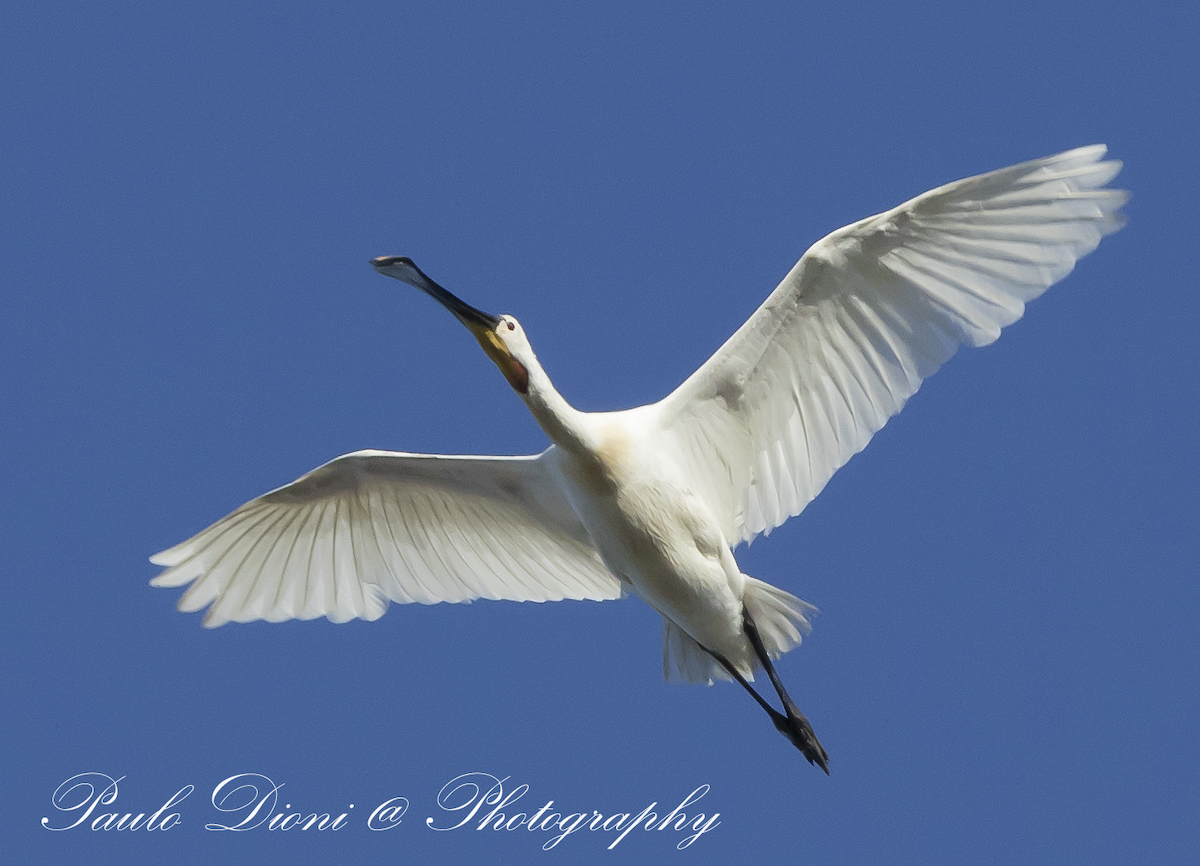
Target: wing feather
867, 314
377, 526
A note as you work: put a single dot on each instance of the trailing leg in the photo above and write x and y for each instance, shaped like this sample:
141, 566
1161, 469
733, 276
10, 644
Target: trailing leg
794, 726
801, 735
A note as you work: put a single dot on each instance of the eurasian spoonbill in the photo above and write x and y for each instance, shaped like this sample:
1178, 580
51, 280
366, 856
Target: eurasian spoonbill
653, 499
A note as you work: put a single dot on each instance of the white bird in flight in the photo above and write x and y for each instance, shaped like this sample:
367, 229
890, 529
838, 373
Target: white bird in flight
653, 499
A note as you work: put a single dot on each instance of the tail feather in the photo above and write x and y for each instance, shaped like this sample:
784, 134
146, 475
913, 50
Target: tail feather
782, 621
684, 659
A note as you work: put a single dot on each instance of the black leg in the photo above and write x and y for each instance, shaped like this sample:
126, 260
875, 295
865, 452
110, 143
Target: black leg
777, 717
794, 727
799, 731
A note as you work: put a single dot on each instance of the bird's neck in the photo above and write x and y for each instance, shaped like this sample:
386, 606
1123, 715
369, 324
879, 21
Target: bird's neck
563, 423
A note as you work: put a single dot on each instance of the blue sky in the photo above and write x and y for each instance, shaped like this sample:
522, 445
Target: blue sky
1004, 667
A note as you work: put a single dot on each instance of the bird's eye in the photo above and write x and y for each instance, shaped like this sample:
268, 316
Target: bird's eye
511, 326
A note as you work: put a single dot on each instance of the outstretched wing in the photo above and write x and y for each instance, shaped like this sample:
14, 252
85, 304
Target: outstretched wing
867, 314
375, 526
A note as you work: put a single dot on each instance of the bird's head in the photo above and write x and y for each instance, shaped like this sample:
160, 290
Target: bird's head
500, 336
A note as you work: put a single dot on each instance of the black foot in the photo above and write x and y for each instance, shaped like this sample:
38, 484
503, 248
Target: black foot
793, 726
797, 729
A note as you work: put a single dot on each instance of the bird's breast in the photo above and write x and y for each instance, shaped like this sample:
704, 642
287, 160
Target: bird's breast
652, 530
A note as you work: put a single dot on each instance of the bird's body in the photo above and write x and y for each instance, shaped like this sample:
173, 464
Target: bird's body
655, 533
654, 499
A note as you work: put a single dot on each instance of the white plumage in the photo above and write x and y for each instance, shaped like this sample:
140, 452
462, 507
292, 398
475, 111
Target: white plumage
653, 499
375, 526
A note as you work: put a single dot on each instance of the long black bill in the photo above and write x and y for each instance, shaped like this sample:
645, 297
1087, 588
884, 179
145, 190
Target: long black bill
402, 268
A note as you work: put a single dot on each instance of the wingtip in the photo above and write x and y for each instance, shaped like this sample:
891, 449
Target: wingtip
173, 556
